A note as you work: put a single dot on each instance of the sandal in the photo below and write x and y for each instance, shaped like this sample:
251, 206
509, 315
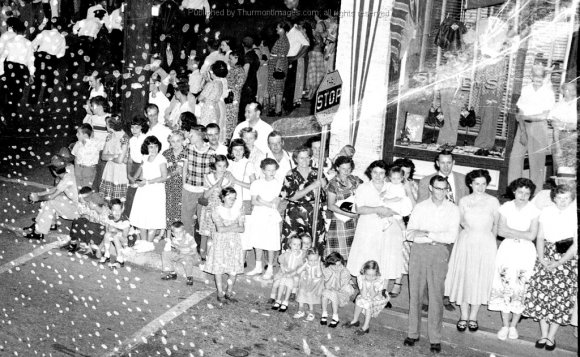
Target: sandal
395, 294
333, 323
472, 325
324, 320
461, 325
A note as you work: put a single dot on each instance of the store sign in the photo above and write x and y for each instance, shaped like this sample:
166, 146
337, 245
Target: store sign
328, 94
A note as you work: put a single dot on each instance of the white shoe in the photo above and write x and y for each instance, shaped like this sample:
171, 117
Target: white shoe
257, 270
503, 333
513, 333
299, 315
268, 274
310, 317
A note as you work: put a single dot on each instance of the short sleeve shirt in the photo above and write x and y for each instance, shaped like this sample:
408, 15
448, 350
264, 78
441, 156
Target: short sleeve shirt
534, 102
68, 185
559, 224
519, 219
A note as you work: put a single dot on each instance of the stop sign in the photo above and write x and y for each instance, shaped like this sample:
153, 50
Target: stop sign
328, 98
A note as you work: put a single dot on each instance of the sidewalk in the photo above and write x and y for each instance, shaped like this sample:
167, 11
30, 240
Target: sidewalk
396, 318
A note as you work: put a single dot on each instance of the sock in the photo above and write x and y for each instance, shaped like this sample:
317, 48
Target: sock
324, 314
335, 317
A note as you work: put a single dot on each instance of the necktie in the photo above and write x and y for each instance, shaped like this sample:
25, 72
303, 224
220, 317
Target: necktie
450, 196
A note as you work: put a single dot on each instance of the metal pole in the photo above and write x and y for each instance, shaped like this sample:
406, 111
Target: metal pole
425, 35
321, 160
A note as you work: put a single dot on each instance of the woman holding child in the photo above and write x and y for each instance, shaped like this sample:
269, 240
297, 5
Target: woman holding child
371, 242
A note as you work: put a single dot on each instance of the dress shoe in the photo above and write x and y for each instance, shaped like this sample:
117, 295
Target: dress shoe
410, 341
34, 235
169, 276
552, 346
540, 344
435, 348
449, 307
425, 308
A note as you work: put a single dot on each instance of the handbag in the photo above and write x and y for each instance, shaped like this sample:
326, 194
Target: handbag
279, 75
202, 201
230, 98
563, 245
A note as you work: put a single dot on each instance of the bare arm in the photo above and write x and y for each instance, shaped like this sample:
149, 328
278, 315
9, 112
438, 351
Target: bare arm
509, 233
331, 203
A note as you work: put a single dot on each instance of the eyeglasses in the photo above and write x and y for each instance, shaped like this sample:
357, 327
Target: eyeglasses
444, 189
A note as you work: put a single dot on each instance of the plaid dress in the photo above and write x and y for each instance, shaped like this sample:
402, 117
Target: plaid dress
341, 234
114, 182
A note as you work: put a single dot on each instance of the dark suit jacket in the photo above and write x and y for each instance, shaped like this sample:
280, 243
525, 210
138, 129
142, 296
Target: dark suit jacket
459, 191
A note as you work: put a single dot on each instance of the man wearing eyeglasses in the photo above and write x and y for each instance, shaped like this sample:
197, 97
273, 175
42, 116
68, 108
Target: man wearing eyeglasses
433, 226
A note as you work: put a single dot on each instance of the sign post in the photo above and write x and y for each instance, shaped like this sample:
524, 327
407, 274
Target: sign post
327, 101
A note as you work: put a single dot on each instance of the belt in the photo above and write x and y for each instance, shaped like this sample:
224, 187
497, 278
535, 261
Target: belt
434, 243
88, 166
567, 131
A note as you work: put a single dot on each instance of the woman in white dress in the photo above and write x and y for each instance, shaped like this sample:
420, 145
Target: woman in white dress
249, 135
264, 224
148, 212
371, 242
516, 256
242, 171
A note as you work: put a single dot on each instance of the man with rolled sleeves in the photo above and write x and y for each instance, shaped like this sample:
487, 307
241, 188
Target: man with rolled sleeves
534, 105
433, 226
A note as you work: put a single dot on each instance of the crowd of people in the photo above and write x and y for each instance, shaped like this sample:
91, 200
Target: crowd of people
212, 205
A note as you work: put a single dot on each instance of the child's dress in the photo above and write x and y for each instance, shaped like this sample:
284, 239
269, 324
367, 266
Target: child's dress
372, 305
225, 254
114, 181
206, 225
289, 261
310, 285
337, 286
148, 210
402, 207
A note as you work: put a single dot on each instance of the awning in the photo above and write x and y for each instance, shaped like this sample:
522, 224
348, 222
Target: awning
474, 4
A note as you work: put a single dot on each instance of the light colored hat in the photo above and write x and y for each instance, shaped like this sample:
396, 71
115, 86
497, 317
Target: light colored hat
565, 173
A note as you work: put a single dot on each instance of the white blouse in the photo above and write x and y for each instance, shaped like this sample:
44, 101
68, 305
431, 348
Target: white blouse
559, 224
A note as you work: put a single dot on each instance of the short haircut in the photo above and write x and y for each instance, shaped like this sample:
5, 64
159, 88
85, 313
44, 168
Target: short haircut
248, 42
152, 106
216, 159
237, 143
115, 122
248, 130
370, 265
220, 69
299, 151
407, 163
267, 162
312, 251
188, 121
522, 183
115, 202
333, 258
140, 120
341, 160
396, 170
312, 140
377, 163
150, 140
257, 106
227, 191
305, 235
213, 44
17, 26
213, 126
86, 129
438, 178
85, 190
284, 25
177, 225
444, 153
274, 134
99, 101
560, 189
476, 174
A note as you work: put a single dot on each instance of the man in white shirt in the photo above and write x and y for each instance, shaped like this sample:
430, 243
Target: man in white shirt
17, 66
87, 31
50, 47
299, 45
213, 137
276, 151
433, 226
531, 138
214, 55
160, 131
253, 120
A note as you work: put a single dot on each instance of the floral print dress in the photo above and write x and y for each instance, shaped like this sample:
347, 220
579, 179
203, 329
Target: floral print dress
299, 214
